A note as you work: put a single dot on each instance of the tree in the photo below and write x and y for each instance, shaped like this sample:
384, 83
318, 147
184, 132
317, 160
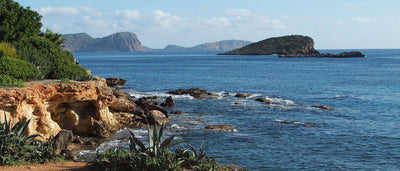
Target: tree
54, 37
17, 22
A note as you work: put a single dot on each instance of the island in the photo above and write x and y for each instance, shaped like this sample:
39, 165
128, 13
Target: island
288, 46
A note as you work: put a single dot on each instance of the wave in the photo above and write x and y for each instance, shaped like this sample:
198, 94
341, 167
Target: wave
295, 122
139, 94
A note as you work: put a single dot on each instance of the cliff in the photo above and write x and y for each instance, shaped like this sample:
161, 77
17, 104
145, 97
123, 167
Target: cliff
88, 108
118, 42
294, 44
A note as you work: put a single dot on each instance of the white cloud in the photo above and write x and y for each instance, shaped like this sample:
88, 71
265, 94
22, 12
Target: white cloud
127, 14
62, 11
237, 12
362, 20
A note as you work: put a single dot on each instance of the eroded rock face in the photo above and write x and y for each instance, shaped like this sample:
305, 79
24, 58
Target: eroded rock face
83, 108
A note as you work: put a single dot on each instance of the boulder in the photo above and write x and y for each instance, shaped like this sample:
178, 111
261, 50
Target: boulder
240, 95
169, 102
220, 128
157, 117
62, 140
115, 82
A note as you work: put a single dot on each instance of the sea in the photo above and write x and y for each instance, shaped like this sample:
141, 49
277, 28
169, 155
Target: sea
361, 133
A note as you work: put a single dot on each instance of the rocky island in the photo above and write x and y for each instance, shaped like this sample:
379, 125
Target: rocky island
288, 46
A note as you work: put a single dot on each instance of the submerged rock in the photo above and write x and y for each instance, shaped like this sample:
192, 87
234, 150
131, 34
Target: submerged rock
323, 107
226, 128
240, 95
264, 100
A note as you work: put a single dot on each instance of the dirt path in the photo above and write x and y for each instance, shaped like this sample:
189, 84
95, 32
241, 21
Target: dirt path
75, 166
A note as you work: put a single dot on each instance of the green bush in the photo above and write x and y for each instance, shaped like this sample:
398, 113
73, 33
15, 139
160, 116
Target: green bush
18, 149
52, 61
18, 69
157, 156
6, 80
7, 50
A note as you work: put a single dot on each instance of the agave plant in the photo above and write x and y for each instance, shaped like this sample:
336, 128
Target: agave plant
156, 146
16, 148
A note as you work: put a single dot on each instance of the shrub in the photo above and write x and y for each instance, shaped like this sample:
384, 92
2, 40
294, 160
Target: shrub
18, 149
157, 156
6, 80
18, 69
52, 61
7, 50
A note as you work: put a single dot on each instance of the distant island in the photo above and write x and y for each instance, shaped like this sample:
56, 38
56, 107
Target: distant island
118, 42
288, 46
224, 45
128, 42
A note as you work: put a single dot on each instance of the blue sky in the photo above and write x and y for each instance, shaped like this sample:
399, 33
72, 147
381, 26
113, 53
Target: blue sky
333, 24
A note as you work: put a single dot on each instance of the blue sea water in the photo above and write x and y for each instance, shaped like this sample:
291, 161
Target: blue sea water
362, 133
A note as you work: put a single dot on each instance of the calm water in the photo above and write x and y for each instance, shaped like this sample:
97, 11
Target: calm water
362, 132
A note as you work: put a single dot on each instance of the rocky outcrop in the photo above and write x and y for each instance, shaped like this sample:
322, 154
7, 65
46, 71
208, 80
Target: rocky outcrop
197, 93
169, 102
118, 42
115, 82
86, 108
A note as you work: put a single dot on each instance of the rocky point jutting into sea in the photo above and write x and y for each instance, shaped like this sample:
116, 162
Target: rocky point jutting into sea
86, 108
288, 46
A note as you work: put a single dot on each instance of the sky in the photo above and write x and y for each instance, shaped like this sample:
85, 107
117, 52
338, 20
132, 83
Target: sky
333, 24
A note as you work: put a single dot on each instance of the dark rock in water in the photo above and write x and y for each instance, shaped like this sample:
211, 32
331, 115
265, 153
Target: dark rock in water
177, 112
220, 128
62, 140
352, 54
240, 95
195, 92
323, 107
115, 82
169, 102
263, 100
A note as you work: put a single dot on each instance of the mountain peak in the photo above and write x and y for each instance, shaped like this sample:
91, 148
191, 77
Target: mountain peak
117, 42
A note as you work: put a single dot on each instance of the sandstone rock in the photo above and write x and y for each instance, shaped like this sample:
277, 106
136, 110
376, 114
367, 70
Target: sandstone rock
169, 102
220, 128
62, 140
240, 95
157, 117
123, 104
84, 109
115, 82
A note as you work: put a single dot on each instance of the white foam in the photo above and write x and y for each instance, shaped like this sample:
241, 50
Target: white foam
138, 94
280, 101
